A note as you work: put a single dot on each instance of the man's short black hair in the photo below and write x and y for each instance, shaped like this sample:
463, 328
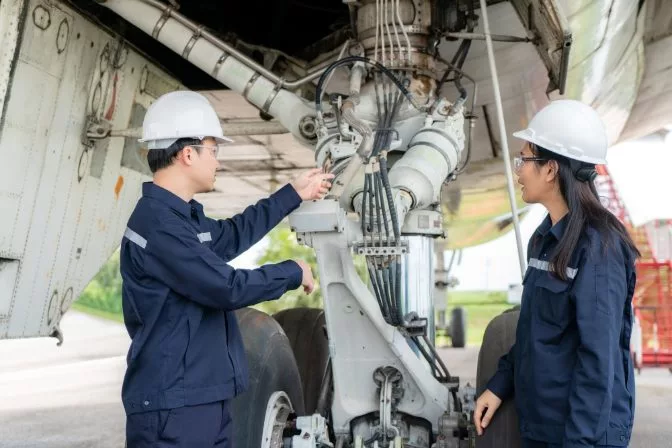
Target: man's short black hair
159, 159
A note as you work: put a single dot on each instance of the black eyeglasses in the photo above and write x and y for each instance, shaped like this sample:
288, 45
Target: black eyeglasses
519, 161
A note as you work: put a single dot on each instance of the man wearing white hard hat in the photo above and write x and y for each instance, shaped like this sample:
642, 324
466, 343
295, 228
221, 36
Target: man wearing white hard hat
186, 359
569, 371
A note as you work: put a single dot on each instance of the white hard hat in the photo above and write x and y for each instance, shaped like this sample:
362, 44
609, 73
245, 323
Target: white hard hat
181, 114
571, 129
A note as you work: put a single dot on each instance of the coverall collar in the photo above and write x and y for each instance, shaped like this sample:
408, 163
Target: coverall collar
556, 230
150, 189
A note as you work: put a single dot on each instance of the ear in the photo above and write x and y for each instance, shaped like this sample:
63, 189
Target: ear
187, 155
552, 168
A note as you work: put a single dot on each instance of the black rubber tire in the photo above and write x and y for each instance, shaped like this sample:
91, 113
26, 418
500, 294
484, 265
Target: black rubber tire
272, 368
458, 327
499, 337
306, 331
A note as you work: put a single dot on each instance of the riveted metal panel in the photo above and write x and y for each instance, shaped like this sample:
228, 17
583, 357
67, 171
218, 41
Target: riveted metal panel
64, 206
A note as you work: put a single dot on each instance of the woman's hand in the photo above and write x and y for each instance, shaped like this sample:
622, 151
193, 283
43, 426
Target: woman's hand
488, 403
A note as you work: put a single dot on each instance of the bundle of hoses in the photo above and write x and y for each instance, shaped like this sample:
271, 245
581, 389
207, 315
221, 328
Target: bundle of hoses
379, 212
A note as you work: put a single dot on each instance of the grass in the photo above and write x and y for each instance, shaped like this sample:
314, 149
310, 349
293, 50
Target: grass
474, 298
480, 308
98, 313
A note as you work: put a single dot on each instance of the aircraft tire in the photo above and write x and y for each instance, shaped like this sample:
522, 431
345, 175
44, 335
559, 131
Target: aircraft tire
272, 368
306, 330
500, 335
458, 327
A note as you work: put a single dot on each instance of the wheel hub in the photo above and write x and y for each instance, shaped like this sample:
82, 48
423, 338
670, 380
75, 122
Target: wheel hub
277, 412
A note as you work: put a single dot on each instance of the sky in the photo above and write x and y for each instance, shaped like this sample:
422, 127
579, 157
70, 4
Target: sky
247, 260
642, 172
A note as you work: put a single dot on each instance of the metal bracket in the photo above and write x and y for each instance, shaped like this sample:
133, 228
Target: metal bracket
345, 148
448, 423
57, 333
388, 379
373, 249
318, 216
423, 222
98, 131
468, 398
314, 432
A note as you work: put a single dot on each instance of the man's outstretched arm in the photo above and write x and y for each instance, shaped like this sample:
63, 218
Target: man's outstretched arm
174, 255
235, 235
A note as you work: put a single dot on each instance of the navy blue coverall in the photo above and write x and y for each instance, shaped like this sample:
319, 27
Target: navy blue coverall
570, 368
186, 358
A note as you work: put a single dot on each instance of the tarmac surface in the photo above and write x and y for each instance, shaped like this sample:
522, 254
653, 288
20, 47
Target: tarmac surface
69, 396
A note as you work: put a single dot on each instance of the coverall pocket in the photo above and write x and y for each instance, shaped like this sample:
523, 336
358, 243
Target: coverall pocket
552, 300
167, 425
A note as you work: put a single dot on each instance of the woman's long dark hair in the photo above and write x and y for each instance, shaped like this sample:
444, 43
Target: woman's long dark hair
578, 190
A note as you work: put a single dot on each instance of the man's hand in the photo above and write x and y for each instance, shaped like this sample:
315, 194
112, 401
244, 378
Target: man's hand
308, 282
313, 184
488, 403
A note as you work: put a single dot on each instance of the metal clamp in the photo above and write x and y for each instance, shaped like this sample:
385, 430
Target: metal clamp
192, 42
414, 325
249, 85
272, 96
162, 21
220, 62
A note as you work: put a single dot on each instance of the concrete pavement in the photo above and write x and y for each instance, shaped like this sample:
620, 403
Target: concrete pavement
69, 396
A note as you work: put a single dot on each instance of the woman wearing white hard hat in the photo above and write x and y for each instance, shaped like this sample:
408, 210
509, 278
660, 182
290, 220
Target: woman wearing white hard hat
569, 371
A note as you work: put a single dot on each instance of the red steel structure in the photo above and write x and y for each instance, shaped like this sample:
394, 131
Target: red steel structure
652, 338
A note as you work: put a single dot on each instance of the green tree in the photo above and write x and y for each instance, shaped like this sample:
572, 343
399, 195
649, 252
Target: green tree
104, 291
283, 246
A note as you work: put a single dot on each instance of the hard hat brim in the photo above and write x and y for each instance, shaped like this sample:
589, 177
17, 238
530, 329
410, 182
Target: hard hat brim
528, 136
221, 139
224, 139
524, 134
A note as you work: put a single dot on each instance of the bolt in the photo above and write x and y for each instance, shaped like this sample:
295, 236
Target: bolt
356, 50
308, 128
